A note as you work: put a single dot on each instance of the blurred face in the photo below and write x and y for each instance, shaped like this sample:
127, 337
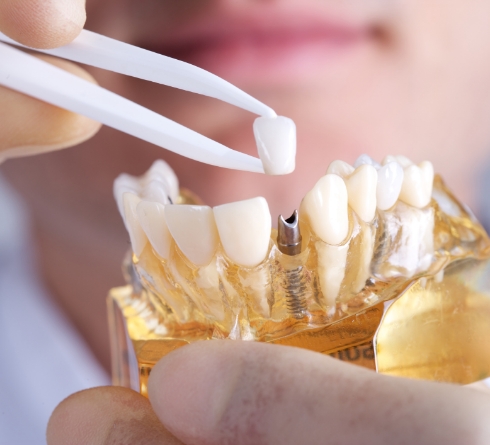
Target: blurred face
380, 77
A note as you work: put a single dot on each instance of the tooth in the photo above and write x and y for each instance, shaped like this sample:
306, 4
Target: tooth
390, 179
361, 188
365, 159
122, 184
276, 144
244, 228
152, 219
403, 161
331, 270
207, 279
136, 233
326, 208
417, 184
156, 191
340, 168
367, 239
162, 172
194, 230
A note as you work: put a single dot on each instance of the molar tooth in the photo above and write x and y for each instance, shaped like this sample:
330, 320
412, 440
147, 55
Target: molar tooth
340, 168
365, 159
402, 160
133, 226
327, 210
152, 219
361, 188
390, 179
194, 230
276, 144
417, 184
244, 228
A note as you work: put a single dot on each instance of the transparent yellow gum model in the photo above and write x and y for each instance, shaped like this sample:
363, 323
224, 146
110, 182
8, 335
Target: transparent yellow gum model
413, 301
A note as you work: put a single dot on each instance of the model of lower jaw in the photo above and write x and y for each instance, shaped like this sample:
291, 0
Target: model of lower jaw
368, 231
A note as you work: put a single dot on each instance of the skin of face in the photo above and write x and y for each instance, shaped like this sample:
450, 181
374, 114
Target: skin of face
381, 77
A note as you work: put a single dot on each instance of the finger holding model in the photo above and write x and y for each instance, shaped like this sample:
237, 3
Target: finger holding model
30, 126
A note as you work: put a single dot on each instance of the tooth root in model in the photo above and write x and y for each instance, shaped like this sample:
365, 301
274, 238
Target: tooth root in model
361, 189
152, 219
244, 229
417, 184
365, 257
194, 230
332, 261
136, 234
207, 279
276, 144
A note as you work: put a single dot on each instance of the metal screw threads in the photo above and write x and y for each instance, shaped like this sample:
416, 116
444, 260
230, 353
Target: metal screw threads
289, 242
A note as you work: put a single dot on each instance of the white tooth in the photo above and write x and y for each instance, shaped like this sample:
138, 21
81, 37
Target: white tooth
388, 159
244, 228
136, 233
417, 184
152, 219
361, 188
207, 279
194, 230
331, 270
276, 143
326, 207
390, 179
403, 161
160, 170
367, 238
122, 184
156, 191
340, 168
365, 159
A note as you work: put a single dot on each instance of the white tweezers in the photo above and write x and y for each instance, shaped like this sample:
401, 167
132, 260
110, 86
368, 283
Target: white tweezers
21, 72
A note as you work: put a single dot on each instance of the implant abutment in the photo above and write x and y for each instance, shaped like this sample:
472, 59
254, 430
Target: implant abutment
289, 237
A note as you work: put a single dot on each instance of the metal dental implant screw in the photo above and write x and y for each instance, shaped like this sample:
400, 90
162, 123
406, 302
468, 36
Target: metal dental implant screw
289, 243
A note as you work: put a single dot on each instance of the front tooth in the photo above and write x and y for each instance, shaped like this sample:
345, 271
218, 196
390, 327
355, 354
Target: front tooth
124, 183
390, 179
194, 230
162, 172
340, 168
244, 228
417, 184
326, 206
152, 219
361, 188
365, 159
136, 233
276, 144
156, 191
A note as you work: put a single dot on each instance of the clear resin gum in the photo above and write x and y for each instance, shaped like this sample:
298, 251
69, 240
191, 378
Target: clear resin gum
413, 299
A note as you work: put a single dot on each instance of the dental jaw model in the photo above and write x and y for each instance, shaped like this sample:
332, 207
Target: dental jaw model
381, 266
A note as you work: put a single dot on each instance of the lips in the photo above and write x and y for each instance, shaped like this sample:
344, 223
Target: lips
275, 47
